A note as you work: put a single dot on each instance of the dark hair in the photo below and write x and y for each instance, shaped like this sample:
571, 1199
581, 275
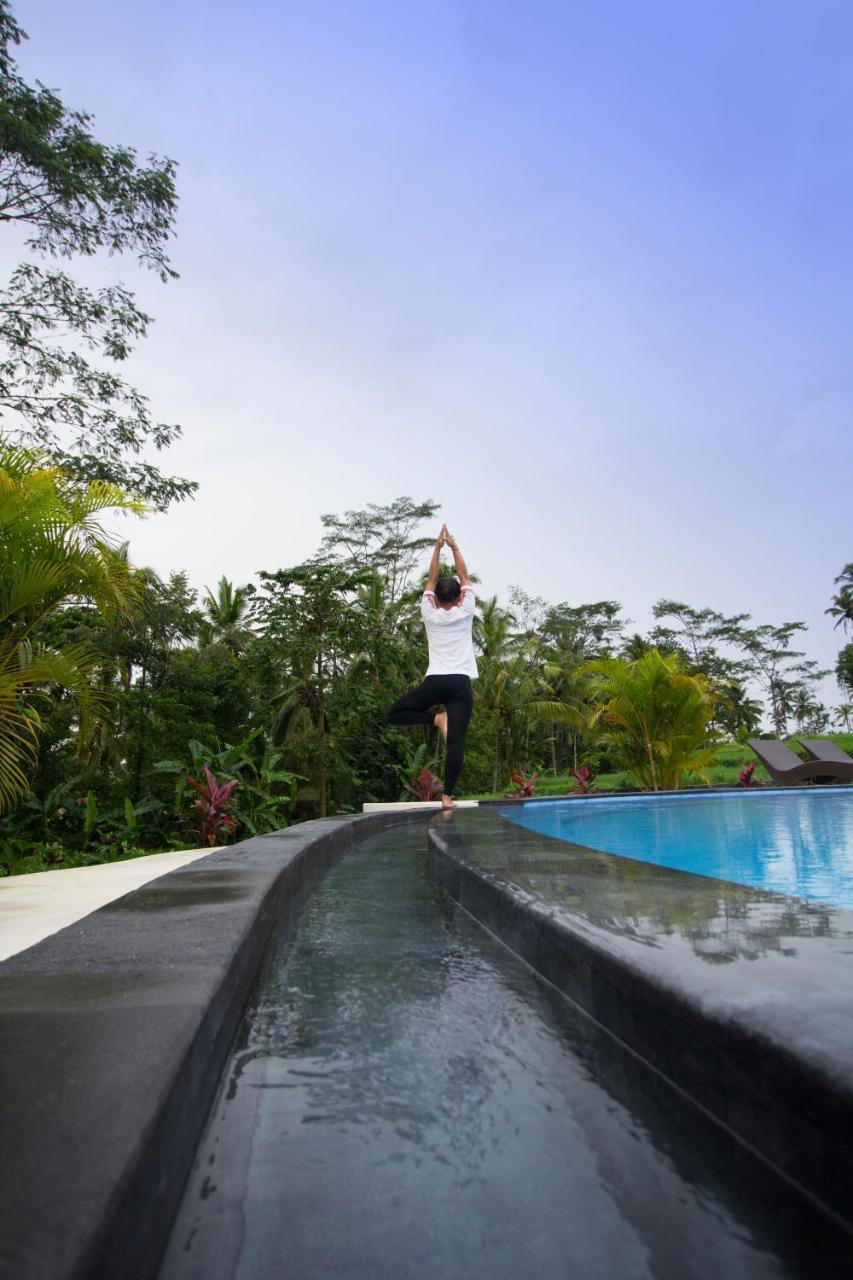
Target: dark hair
447, 590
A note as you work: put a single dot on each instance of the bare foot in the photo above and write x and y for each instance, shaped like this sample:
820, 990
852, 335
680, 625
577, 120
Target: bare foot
447, 803
440, 722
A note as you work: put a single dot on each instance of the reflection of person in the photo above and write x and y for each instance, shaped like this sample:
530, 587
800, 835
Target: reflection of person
447, 608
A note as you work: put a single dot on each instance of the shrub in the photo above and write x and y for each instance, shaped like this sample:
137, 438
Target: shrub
424, 786
524, 785
584, 778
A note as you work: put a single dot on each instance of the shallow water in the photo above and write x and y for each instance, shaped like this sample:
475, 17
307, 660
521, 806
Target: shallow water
407, 1100
796, 842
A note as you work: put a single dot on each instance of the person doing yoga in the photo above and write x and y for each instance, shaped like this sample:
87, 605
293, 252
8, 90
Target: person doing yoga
447, 608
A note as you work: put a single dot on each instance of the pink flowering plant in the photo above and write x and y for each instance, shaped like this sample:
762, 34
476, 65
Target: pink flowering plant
745, 777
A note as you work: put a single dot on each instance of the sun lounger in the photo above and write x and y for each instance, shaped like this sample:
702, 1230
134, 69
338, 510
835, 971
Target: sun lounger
786, 767
821, 749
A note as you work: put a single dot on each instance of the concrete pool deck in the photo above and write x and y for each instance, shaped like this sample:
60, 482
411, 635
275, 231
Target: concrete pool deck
740, 997
35, 906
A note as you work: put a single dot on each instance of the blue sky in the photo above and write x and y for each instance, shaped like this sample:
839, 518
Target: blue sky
583, 273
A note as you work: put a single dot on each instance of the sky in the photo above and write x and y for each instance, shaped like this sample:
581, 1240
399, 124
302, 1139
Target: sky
580, 272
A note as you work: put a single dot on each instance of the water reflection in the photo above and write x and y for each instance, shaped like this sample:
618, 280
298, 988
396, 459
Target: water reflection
798, 842
722, 920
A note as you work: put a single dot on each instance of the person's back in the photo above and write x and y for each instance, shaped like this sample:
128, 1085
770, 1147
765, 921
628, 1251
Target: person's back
447, 608
450, 635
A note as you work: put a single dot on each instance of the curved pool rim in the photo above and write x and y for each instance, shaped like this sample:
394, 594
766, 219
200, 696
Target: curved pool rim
114, 1033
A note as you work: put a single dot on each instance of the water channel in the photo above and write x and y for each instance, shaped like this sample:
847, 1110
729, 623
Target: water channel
408, 1100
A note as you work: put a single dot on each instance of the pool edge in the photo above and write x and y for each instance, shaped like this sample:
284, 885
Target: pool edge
747, 1082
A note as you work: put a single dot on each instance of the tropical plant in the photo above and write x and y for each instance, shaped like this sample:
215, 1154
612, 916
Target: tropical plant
523, 785
844, 715
225, 616
745, 777
424, 786
584, 778
657, 716
267, 795
841, 608
211, 806
52, 548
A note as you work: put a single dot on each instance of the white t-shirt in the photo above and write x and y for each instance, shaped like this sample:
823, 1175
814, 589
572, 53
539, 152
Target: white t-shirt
449, 635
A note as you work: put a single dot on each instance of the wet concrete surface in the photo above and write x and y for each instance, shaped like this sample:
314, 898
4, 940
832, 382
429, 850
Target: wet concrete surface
741, 997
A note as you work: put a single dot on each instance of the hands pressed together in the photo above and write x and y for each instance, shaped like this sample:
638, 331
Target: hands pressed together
446, 539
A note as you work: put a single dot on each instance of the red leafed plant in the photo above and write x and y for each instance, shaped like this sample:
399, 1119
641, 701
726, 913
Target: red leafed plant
745, 778
424, 786
212, 805
524, 785
584, 777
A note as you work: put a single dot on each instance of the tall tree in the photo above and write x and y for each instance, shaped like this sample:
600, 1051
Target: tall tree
225, 616
696, 634
311, 608
381, 538
74, 196
776, 668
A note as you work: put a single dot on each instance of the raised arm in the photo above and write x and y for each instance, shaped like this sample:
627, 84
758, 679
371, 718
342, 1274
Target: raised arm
459, 561
432, 576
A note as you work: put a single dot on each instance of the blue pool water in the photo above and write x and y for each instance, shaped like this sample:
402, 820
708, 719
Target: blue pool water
797, 842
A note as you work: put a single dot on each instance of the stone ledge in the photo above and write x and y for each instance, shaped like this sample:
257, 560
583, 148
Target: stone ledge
113, 1033
777, 1075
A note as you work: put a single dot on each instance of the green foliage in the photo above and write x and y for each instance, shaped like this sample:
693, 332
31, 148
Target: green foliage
284, 688
52, 547
74, 195
657, 716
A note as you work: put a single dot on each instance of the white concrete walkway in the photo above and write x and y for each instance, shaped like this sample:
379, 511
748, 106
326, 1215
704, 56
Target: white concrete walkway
34, 906
371, 806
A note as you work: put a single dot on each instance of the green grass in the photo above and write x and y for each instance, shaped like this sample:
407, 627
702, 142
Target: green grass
729, 759
21, 857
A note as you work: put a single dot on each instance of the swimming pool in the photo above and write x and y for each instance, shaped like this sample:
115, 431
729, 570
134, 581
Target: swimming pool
789, 841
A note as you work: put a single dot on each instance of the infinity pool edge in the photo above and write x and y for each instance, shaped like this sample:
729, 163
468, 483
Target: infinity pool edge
728, 1048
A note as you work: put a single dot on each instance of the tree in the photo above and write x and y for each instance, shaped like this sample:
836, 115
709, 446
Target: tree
844, 715
842, 603
658, 716
777, 668
736, 712
52, 549
225, 613
695, 636
310, 608
844, 669
75, 196
380, 538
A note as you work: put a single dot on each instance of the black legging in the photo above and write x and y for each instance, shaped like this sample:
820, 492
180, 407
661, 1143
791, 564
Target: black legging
454, 692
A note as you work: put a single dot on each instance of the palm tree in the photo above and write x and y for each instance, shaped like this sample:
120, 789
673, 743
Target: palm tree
842, 604
658, 716
52, 549
844, 714
225, 613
